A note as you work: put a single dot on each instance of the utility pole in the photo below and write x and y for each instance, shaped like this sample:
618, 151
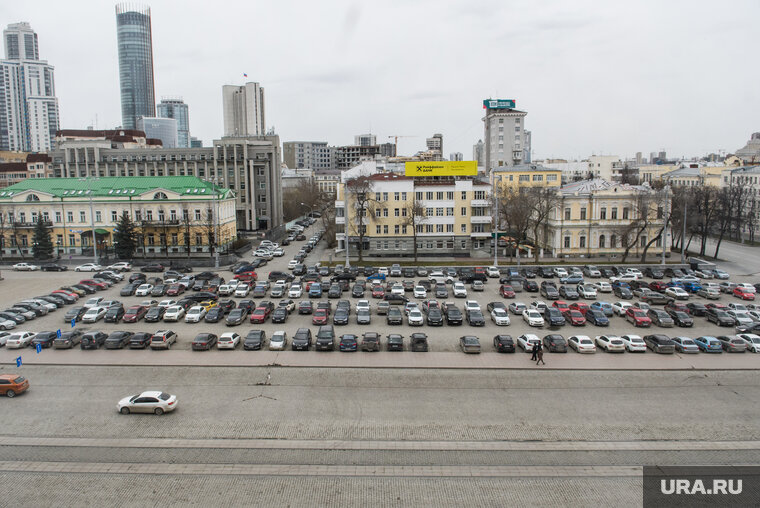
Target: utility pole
496, 225
665, 227
216, 228
683, 234
345, 216
88, 179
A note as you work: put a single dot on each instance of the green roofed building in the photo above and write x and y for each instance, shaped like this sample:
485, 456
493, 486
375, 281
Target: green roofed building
173, 215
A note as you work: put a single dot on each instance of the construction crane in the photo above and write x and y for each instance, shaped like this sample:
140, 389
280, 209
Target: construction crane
395, 141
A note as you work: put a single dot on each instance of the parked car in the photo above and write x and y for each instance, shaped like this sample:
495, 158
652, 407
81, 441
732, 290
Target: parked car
660, 344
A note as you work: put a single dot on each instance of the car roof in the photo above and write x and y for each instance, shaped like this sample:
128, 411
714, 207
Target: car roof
150, 394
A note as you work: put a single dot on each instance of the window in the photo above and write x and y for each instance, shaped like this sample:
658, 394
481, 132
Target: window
450, 195
601, 242
480, 194
151, 239
439, 195
450, 211
524, 178
385, 229
149, 215
114, 216
403, 196
439, 228
642, 241
449, 228
58, 216
429, 195
428, 228
418, 196
614, 217
385, 212
464, 211
420, 229
567, 214
396, 212
377, 196
198, 239
613, 241
72, 240
464, 228
660, 212
173, 215
396, 196
464, 194
159, 195
82, 216
439, 212
138, 215
197, 214
551, 178
378, 212
98, 216
403, 229
385, 196
175, 239
567, 242
582, 242
463, 244
161, 216
429, 212
583, 213
377, 229
69, 216
625, 213
396, 229
603, 213
403, 212
537, 178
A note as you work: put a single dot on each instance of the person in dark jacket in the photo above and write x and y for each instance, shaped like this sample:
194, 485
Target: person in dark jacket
535, 349
540, 356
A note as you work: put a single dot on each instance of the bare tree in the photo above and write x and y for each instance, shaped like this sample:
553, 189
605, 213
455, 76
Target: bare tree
413, 215
359, 192
640, 218
543, 200
515, 209
706, 205
15, 228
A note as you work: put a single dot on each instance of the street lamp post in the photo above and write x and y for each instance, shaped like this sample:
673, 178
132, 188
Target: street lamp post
89, 179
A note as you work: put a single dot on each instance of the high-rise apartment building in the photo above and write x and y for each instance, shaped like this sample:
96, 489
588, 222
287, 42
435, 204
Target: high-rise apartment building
308, 154
456, 156
133, 31
243, 110
504, 133
479, 153
365, 140
29, 115
176, 108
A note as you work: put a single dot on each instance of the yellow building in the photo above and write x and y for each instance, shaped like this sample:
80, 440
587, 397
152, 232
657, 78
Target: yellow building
694, 175
525, 175
173, 215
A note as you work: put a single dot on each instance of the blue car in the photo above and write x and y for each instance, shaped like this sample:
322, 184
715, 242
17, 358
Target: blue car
376, 276
691, 287
348, 343
604, 307
597, 317
572, 279
621, 284
709, 344
315, 291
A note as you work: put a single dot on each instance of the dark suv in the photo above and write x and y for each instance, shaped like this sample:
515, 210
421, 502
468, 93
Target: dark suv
93, 340
325, 338
301, 340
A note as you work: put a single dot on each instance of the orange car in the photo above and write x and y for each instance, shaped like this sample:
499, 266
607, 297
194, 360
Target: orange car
13, 384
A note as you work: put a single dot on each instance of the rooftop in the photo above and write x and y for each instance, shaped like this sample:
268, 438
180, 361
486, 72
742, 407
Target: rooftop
522, 168
599, 184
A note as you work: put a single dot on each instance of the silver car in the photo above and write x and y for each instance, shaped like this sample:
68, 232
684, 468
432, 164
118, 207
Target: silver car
148, 402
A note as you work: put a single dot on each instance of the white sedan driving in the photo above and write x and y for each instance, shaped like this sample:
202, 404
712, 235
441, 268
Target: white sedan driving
88, 267
148, 402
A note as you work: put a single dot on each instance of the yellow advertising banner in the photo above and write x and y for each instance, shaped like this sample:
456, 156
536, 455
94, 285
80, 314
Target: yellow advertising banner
441, 168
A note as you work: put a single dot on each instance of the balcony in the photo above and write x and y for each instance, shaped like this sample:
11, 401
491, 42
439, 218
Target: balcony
480, 219
26, 224
340, 220
484, 234
480, 202
165, 222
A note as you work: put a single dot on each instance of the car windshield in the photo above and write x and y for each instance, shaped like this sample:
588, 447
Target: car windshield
164, 396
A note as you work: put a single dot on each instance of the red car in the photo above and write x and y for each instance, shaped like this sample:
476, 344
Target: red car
67, 293
246, 277
93, 283
319, 317
658, 286
378, 292
677, 306
175, 290
261, 313
743, 293
134, 314
719, 306
575, 317
561, 305
638, 317
580, 307
506, 291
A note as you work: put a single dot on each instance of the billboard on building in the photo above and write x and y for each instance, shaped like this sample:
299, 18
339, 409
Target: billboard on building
499, 104
441, 168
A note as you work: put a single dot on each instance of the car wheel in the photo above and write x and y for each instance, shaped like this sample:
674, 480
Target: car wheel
159, 411
124, 411
10, 393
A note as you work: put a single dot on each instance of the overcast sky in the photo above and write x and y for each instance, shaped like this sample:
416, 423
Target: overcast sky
596, 77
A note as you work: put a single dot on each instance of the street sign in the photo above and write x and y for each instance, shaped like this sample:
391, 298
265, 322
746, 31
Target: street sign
58, 333
38, 347
18, 362
73, 322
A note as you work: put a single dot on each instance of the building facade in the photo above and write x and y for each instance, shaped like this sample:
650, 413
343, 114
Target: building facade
250, 167
135, 42
293, 178
456, 156
36, 165
174, 216
457, 218
479, 153
244, 110
164, 129
504, 134
29, 115
526, 175
327, 180
177, 109
435, 146
308, 154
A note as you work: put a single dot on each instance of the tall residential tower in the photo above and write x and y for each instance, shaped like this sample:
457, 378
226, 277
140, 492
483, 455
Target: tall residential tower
243, 110
138, 96
29, 115
504, 133
177, 109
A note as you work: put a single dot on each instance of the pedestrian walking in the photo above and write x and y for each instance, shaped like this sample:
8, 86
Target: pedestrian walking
534, 350
540, 355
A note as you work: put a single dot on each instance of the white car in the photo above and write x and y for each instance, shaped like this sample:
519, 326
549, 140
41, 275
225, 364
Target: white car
752, 341
148, 402
620, 308
25, 267
94, 314
93, 302
49, 306
626, 277
539, 305
228, 340
749, 288
634, 343
533, 318
492, 272
610, 343
582, 344
174, 313
419, 292
471, 305
500, 317
527, 340
738, 306
278, 341
242, 290
263, 254
741, 317
460, 291
7, 324
120, 267
410, 306
144, 290
677, 293
88, 267
363, 305
635, 271
195, 314
167, 303
415, 318
292, 264
587, 292
438, 277
603, 286
754, 314
295, 291
19, 340
397, 289
225, 290
383, 270
560, 272
278, 252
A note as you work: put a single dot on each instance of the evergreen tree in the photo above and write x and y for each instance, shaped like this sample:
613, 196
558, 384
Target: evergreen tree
43, 245
125, 237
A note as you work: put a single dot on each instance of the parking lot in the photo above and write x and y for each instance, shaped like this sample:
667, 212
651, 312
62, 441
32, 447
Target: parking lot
20, 285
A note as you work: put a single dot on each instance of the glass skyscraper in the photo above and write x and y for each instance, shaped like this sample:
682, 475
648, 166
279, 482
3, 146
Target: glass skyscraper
177, 109
135, 64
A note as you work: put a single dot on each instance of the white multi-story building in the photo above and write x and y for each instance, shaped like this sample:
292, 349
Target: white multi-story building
504, 133
606, 167
29, 115
243, 110
176, 108
479, 153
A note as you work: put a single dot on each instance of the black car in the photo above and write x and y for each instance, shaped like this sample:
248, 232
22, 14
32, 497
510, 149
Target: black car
719, 317
597, 317
118, 340
434, 317
395, 299
348, 343
275, 276
394, 316
546, 272
528, 273
255, 340
93, 340
504, 344
305, 307
395, 342
44, 339
622, 293
555, 343
129, 289
280, 315
236, 316
53, 267
325, 338
114, 314
181, 268
154, 314
357, 291
334, 291
249, 305
74, 313
660, 344
530, 286
214, 315
549, 291
137, 277
654, 273
370, 341
453, 315
680, 318
301, 340
340, 317
204, 341
159, 290
696, 308
475, 318
418, 342
153, 267
140, 340
54, 299
553, 317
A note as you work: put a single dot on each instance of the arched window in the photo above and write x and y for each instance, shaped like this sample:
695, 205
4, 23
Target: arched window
613, 241
160, 195
32, 197
602, 242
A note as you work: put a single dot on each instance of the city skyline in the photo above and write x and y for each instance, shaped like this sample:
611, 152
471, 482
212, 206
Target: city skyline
596, 78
